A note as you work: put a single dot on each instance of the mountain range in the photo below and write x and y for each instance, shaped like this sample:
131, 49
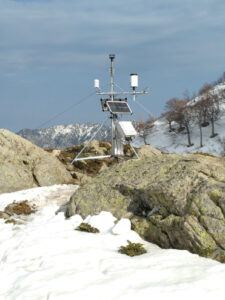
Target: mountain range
63, 136
159, 135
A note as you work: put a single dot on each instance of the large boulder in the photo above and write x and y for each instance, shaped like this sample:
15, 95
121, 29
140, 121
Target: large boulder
175, 201
24, 165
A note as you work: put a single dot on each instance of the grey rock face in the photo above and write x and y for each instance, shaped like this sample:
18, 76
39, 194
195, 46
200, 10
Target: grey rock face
24, 165
175, 201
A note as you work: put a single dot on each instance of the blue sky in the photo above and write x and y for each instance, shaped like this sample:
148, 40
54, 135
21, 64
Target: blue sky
51, 51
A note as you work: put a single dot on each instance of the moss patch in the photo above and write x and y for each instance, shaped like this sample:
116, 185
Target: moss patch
87, 228
132, 249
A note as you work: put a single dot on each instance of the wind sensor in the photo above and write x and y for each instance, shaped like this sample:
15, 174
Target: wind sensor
121, 131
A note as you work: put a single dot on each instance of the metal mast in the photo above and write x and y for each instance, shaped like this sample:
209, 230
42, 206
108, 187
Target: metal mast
117, 143
112, 57
116, 150
121, 131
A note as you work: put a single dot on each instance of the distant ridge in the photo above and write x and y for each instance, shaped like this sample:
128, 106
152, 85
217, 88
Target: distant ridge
63, 136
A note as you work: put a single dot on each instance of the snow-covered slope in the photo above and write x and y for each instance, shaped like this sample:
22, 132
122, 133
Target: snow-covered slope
63, 136
45, 258
174, 142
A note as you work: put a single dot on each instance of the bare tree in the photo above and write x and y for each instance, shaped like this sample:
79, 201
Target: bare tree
200, 110
179, 111
222, 96
205, 89
172, 104
169, 116
144, 128
184, 116
172, 108
214, 111
187, 116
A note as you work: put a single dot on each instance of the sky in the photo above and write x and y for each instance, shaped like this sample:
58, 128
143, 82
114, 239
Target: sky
51, 51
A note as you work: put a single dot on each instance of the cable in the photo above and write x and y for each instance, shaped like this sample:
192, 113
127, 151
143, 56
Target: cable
141, 105
69, 108
89, 141
118, 87
66, 110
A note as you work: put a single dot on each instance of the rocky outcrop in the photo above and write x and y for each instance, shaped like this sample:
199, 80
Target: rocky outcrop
24, 165
175, 201
84, 171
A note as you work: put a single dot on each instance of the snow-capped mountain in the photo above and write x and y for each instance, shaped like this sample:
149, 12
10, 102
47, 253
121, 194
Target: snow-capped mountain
63, 136
161, 137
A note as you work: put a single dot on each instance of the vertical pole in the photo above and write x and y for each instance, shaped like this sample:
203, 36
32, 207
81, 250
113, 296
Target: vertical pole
112, 57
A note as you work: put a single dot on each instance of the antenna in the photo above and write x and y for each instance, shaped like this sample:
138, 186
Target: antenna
121, 131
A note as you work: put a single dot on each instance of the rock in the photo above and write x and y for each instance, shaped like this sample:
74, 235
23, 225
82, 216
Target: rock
89, 168
148, 151
56, 152
81, 178
175, 201
98, 148
24, 165
103, 167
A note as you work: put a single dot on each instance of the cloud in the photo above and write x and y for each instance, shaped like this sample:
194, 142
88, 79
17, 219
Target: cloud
172, 44
46, 33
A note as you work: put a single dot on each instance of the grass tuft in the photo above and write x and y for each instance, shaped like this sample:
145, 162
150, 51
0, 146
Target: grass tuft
132, 249
87, 228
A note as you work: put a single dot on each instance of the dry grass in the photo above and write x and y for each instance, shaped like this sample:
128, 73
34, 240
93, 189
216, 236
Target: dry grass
20, 208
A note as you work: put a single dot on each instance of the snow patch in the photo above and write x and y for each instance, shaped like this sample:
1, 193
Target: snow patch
46, 258
122, 227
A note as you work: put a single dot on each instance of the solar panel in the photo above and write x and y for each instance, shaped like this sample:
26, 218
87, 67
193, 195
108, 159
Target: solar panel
119, 107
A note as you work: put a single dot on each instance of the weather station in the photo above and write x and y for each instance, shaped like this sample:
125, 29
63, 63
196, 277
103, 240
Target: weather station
122, 132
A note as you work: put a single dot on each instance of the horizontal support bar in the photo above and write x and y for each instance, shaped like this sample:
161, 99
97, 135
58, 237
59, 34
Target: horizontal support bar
122, 93
92, 157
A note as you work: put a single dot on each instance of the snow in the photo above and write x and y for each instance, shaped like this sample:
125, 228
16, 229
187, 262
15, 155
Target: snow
171, 142
123, 226
41, 196
45, 258
63, 136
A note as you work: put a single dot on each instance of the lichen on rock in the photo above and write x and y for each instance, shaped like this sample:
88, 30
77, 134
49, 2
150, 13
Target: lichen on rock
175, 201
24, 165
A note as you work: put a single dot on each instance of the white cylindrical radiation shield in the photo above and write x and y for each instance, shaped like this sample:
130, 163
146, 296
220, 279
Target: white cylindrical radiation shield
134, 80
96, 83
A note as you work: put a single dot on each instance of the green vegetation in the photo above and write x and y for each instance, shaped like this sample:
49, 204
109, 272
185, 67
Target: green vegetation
132, 249
87, 228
